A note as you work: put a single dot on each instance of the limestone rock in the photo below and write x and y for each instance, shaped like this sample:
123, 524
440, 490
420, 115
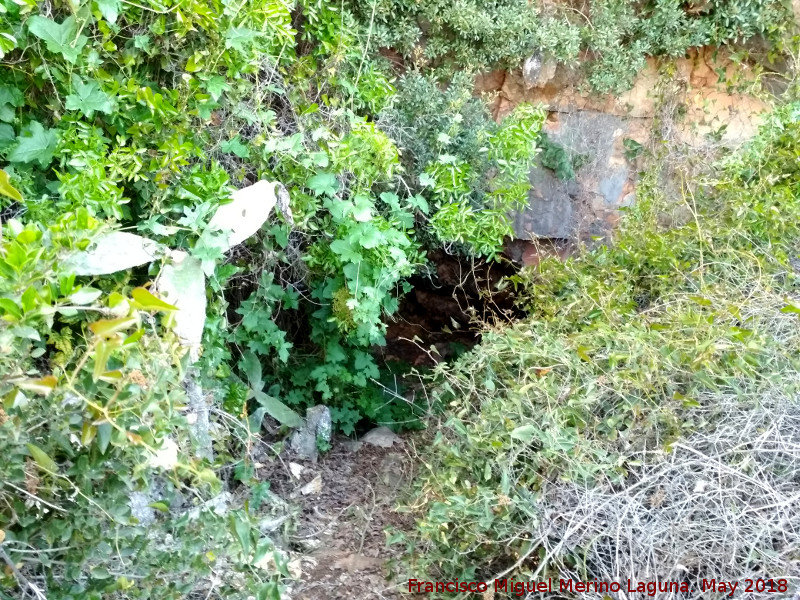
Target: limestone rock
141, 510
317, 426
383, 437
537, 71
246, 213
531, 69
550, 210
112, 252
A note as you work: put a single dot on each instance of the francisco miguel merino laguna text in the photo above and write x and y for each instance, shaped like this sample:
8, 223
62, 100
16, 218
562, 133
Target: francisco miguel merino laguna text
649, 588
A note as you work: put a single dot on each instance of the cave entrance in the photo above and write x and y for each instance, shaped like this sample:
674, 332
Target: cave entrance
450, 303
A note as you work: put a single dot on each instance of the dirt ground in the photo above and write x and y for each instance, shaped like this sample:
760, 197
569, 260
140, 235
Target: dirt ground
346, 501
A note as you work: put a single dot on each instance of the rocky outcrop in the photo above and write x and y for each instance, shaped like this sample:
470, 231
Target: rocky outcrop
701, 100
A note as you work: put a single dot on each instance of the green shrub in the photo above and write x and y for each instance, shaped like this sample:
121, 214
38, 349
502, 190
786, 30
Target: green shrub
617, 35
621, 345
148, 117
471, 171
102, 494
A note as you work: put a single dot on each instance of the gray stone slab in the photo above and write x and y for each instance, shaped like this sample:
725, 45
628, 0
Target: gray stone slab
550, 210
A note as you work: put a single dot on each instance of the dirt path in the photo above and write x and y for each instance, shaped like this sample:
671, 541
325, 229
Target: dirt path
346, 502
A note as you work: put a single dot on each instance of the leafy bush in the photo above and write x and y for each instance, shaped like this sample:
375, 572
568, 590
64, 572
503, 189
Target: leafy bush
621, 347
165, 110
102, 494
617, 35
146, 116
471, 171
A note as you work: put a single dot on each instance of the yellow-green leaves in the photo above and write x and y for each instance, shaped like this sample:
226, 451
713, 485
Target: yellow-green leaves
6, 189
147, 301
41, 458
108, 330
108, 327
42, 386
159, 506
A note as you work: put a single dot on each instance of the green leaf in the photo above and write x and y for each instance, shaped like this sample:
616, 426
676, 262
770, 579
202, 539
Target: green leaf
262, 548
420, 203
791, 307
60, 38
339, 209
26, 332
10, 307
344, 249
7, 41
323, 183
524, 433
237, 37
159, 506
102, 353
426, 180
6, 189
108, 327
100, 573
35, 144
148, 301
241, 528
85, 295
215, 86
363, 208
109, 9
370, 236
252, 369
7, 135
41, 458
103, 436
10, 97
701, 300
208, 476
88, 98
278, 410
236, 147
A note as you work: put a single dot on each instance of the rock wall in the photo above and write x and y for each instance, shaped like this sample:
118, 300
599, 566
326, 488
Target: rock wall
701, 101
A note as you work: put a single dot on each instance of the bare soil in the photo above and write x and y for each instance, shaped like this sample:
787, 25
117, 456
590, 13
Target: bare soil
350, 500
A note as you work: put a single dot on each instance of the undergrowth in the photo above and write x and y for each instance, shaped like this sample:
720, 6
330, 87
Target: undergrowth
146, 116
609, 39
625, 354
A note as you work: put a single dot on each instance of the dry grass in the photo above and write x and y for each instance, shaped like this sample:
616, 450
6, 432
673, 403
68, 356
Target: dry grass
723, 503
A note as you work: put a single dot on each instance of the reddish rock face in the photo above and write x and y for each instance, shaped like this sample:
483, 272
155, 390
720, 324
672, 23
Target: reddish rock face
530, 253
604, 130
603, 133
489, 82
